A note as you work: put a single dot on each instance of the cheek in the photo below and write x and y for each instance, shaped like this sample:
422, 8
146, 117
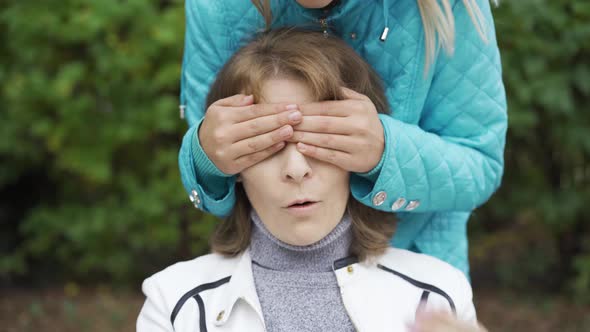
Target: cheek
249, 180
337, 178
344, 180
256, 178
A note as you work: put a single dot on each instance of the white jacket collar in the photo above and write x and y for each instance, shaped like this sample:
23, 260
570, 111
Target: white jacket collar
240, 287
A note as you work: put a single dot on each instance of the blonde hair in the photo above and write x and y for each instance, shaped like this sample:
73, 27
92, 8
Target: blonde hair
437, 19
324, 64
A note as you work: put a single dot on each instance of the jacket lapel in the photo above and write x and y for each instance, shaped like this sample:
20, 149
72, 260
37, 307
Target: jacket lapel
239, 292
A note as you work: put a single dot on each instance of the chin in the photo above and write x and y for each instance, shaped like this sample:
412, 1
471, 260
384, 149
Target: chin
314, 3
302, 242
304, 236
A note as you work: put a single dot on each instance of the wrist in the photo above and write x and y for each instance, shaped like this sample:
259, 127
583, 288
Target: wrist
203, 164
373, 174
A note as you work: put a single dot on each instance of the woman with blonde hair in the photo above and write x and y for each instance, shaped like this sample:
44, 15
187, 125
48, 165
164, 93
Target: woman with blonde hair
434, 159
297, 252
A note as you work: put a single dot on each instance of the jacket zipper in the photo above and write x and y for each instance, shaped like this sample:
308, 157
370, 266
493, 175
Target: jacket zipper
324, 25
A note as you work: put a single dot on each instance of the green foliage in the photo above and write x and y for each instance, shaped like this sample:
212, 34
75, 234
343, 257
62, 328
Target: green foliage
89, 97
545, 51
89, 139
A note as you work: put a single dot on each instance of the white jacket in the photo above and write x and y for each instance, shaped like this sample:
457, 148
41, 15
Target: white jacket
216, 293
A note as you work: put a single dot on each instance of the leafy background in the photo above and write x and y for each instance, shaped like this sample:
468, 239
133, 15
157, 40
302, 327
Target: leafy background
90, 190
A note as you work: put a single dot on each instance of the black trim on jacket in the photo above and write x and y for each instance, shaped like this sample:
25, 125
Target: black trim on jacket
194, 293
424, 286
342, 262
424, 297
423, 301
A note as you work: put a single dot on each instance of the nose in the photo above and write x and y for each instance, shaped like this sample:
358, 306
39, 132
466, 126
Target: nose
296, 167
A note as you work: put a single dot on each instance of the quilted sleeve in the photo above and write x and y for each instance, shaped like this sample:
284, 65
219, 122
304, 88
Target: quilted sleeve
453, 159
207, 48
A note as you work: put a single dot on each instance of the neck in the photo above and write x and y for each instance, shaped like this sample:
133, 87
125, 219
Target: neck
270, 252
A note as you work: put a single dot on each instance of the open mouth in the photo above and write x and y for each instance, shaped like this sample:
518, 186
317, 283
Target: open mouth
303, 207
301, 203
304, 204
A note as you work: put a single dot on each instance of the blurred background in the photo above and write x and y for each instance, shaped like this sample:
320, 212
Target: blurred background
91, 201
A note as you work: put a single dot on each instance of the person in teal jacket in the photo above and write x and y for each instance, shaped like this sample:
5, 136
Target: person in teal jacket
437, 157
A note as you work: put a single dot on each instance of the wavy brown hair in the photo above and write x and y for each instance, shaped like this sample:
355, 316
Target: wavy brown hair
324, 64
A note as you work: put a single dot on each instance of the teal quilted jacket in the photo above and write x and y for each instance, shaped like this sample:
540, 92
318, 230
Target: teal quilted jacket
444, 141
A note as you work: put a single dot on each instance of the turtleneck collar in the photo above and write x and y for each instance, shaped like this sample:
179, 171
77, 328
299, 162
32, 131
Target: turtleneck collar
268, 251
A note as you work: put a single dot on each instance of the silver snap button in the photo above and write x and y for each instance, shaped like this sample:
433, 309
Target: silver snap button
413, 205
379, 198
194, 197
398, 204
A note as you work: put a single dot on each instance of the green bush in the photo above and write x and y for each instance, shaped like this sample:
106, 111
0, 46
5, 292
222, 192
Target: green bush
546, 188
89, 138
89, 95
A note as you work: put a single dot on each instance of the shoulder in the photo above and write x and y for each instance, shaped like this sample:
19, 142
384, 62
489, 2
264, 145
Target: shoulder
181, 278
219, 6
415, 263
223, 25
423, 268
430, 274
221, 11
195, 271
168, 290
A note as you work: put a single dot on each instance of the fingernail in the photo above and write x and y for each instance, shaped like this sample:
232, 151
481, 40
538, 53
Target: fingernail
412, 327
279, 145
291, 107
295, 116
248, 98
286, 132
301, 146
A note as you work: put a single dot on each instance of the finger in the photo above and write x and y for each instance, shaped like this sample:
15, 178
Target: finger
431, 326
257, 110
326, 124
441, 322
264, 124
235, 101
342, 143
481, 327
435, 315
327, 108
351, 94
258, 143
248, 160
338, 158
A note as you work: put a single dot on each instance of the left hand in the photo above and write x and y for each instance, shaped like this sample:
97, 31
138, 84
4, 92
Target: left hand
442, 322
346, 133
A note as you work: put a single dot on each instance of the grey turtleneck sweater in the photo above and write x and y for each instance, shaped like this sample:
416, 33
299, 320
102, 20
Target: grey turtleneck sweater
297, 288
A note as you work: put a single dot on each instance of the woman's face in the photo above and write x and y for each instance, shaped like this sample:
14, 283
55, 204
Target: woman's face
299, 199
314, 3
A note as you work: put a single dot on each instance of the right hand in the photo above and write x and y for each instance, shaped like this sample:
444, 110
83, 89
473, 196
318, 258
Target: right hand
236, 133
440, 321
